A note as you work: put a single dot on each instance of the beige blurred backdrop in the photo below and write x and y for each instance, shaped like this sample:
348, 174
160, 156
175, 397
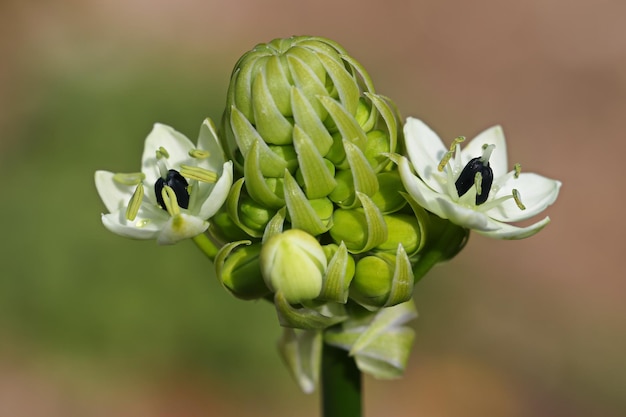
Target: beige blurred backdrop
94, 325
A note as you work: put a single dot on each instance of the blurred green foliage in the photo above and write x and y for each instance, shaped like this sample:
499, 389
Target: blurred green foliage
69, 287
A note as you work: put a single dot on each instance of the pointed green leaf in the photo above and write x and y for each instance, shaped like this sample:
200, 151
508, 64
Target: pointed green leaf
232, 207
338, 276
376, 226
306, 68
255, 182
402, 282
241, 82
275, 226
347, 88
301, 213
365, 180
422, 218
360, 71
391, 121
278, 84
245, 134
269, 122
318, 180
345, 121
306, 117
309, 84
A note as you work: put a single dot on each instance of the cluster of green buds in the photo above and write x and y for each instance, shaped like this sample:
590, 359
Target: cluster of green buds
316, 219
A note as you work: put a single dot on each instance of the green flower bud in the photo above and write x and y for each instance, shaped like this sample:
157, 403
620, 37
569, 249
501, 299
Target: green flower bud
377, 146
383, 279
372, 279
344, 191
293, 263
238, 269
361, 229
254, 215
225, 229
294, 107
404, 229
388, 198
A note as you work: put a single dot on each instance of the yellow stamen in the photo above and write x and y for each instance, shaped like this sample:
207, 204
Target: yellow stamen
199, 153
162, 153
457, 141
134, 203
446, 157
197, 173
518, 199
445, 160
131, 178
518, 170
170, 200
478, 183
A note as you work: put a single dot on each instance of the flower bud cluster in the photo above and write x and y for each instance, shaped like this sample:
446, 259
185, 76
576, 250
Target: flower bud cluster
310, 140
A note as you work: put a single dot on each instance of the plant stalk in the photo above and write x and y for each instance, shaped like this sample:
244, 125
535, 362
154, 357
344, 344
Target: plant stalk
341, 384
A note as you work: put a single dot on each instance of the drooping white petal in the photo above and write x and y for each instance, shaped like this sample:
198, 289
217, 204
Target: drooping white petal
536, 192
146, 225
422, 193
175, 143
425, 150
179, 227
492, 136
465, 216
216, 196
113, 195
509, 232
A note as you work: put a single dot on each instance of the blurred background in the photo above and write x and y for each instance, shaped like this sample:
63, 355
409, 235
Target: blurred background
92, 324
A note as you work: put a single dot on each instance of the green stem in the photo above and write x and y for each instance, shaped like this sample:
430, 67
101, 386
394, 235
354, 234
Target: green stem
206, 245
341, 384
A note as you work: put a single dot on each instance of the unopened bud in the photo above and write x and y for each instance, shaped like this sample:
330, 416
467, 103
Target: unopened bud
388, 197
404, 229
372, 280
293, 263
237, 266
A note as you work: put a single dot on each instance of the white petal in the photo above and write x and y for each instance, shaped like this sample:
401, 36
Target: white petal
175, 143
425, 150
507, 231
146, 225
536, 192
492, 136
208, 141
422, 193
182, 226
113, 195
218, 193
465, 216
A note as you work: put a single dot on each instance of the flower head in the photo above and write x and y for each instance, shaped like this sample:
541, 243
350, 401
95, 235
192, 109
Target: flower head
306, 131
179, 188
472, 187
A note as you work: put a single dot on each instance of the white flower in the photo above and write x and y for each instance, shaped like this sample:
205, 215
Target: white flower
473, 187
179, 188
